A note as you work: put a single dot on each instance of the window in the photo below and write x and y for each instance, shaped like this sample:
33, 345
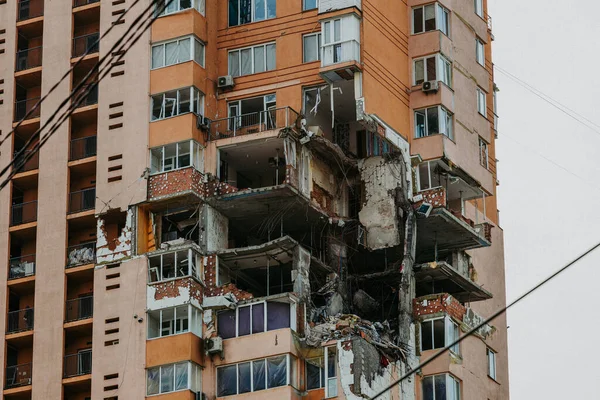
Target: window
173, 265
246, 11
173, 377
253, 318
252, 60
255, 113
481, 102
315, 373
172, 321
177, 102
341, 40
309, 4
371, 144
483, 153
169, 7
256, 375
431, 17
439, 333
331, 371
440, 387
311, 47
433, 121
491, 357
177, 51
427, 178
479, 8
434, 68
175, 156
480, 52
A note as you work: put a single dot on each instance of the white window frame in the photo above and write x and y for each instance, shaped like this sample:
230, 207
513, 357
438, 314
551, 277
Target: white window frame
194, 318
269, 103
452, 387
289, 381
198, 5
348, 41
491, 358
193, 268
484, 155
312, 36
196, 157
174, 105
440, 11
330, 393
194, 377
452, 334
481, 102
480, 52
321, 362
293, 324
443, 69
192, 52
446, 122
252, 49
479, 7
252, 13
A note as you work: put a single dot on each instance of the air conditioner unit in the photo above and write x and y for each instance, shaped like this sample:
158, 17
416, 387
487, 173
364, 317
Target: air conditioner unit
202, 122
214, 345
225, 81
430, 86
425, 209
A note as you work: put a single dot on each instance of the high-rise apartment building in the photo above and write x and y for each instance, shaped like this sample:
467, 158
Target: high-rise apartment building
275, 199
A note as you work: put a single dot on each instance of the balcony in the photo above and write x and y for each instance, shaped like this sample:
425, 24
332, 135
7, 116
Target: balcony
86, 44
81, 254
21, 267
23, 213
80, 3
19, 321
18, 375
29, 9
78, 364
438, 277
28, 59
28, 160
82, 200
83, 148
255, 122
26, 109
90, 99
185, 183
80, 308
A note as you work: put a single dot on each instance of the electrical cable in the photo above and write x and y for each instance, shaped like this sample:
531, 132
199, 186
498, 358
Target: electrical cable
487, 321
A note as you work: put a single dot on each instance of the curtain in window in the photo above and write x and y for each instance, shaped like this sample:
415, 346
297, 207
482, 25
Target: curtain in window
276, 371
171, 53
152, 381
184, 48
227, 380
244, 378
259, 59
258, 376
246, 56
158, 55
234, 63
270, 57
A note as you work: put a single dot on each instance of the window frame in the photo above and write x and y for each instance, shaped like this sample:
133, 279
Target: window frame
321, 362
478, 5
194, 269
252, 50
491, 361
292, 322
451, 382
194, 316
451, 333
481, 102
308, 9
448, 122
480, 52
196, 155
194, 377
252, 13
198, 5
193, 93
318, 38
330, 393
443, 69
484, 155
192, 51
439, 11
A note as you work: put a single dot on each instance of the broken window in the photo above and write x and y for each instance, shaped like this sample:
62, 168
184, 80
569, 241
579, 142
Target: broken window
172, 377
438, 333
491, 357
168, 7
256, 375
177, 102
432, 68
431, 17
433, 121
171, 321
177, 51
175, 156
315, 373
173, 265
371, 144
252, 60
331, 371
257, 113
182, 225
440, 387
251, 319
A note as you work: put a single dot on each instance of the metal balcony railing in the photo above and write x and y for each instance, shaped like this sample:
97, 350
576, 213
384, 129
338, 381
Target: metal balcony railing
22, 164
276, 118
80, 308
78, 364
90, 99
28, 9
79, 3
83, 148
22, 107
19, 321
18, 375
86, 44
82, 200
28, 58
20, 267
23, 213
81, 254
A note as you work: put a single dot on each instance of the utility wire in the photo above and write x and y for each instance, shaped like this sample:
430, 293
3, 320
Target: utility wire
80, 95
487, 321
68, 73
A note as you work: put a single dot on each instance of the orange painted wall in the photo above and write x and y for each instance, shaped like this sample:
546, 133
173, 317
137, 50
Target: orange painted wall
175, 348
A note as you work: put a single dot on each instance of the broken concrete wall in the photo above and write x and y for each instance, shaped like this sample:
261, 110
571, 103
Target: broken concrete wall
177, 182
214, 230
174, 293
382, 178
210, 279
300, 273
109, 246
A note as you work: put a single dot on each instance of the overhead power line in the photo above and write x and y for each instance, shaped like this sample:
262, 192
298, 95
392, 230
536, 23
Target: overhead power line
487, 321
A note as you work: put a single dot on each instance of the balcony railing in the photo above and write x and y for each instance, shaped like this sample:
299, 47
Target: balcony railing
82, 200
81, 254
86, 44
340, 52
18, 375
22, 107
20, 267
91, 98
80, 308
29, 58
78, 364
20, 320
22, 164
23, 213
245, 124
79, 3
28, 9
83, 148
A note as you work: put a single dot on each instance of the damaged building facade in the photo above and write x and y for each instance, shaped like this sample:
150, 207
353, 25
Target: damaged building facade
290, 199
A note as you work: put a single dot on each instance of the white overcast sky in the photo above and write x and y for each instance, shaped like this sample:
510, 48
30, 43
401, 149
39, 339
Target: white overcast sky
549, 212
